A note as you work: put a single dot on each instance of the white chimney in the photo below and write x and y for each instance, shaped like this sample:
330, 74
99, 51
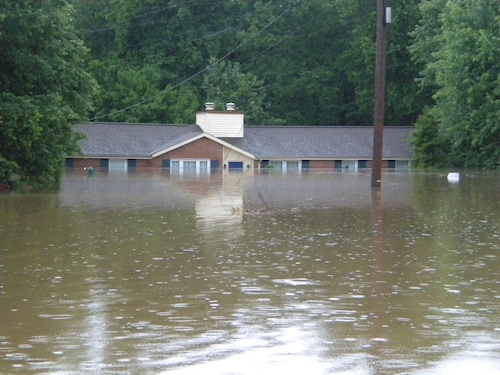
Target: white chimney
228, 123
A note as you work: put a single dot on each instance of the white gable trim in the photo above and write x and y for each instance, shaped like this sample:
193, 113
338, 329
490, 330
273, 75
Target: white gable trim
204, 135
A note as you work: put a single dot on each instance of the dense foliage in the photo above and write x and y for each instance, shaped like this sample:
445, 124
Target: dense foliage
43, 89
282, 62
458, 42
292, 62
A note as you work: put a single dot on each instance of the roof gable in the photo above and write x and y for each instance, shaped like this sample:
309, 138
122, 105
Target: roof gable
124, 140
181, 143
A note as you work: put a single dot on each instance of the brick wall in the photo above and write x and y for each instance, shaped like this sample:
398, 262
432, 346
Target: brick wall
322, 164
82, 163
201, 149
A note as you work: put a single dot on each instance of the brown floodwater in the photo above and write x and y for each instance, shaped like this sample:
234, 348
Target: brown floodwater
314, 273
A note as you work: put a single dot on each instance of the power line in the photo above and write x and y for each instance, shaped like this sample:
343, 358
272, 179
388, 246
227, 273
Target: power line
281, 40
169, 89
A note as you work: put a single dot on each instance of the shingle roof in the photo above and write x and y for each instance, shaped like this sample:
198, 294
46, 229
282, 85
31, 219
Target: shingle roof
132, 140
265, 142
329, 142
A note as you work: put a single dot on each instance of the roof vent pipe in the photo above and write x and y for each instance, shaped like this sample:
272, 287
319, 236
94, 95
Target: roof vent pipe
209, 106
230, 106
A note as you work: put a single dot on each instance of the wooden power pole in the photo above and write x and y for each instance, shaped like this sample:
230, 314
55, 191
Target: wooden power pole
383, 18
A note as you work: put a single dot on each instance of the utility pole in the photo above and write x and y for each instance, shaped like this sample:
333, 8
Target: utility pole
383, 18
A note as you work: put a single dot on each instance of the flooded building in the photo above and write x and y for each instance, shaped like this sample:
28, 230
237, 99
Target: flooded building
220, 139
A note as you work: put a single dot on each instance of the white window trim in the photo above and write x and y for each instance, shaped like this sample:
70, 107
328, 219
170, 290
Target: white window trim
198, 168
117, 164
349, 162
284, 165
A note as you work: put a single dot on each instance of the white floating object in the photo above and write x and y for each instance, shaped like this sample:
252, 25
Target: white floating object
453, 177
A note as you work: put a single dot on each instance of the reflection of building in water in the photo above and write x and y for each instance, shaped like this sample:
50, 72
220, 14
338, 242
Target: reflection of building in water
321, 190
224, 198
222, 209
219, 209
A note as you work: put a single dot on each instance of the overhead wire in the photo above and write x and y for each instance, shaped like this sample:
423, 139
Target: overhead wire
198, 73
280, 41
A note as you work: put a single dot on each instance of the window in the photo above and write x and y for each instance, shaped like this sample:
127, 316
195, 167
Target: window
402, 164
190, 166
175, 165
277, 165
292, 166
348, 165
118, 164
204, 167
286, 166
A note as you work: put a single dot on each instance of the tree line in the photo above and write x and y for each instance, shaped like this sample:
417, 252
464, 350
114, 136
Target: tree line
287, 62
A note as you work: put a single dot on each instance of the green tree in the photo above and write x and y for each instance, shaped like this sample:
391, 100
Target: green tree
317, 61
403, 101
128, 93
44, 89
91, 24
224, 82
148, 55
429, 145
295, 54
314, 59
462, 55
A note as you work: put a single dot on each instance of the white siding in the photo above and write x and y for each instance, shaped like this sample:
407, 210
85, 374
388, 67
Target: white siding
221, 124
232, 155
